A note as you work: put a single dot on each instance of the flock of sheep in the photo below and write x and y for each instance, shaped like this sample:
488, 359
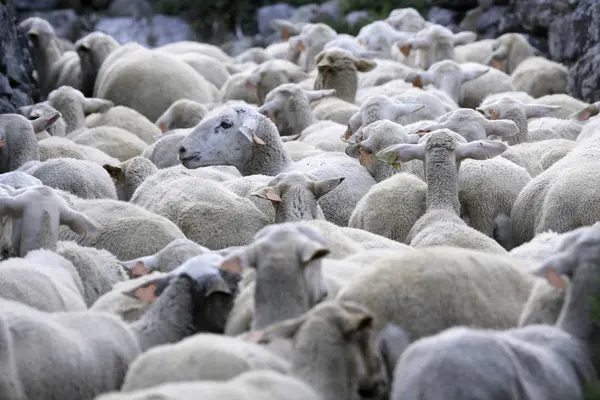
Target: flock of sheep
407, 214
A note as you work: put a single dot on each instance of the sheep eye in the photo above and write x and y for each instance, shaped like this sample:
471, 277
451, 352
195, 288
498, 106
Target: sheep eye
225, 125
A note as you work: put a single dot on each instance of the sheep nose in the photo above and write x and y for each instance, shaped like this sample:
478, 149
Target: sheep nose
181, 149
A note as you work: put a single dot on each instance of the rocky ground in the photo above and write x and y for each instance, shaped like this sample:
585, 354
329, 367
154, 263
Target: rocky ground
568, 31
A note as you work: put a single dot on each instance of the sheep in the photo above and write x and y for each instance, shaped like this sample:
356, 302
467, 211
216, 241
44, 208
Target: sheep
185, 46
568, 105
237, 88
268, 76
129, 175
229, 357
376, 137
330, 332
406, 19
132, 78
521, 96
85, 179
204, 210
48, 58
385, 71
256, 55
475, 52
471, 125
98, 269
60, 147
115, 142
92, 50
510, 50
74, 106
129, 231
441, 224
251, 143
127, 119
101, 345
539, 77
38, 110
288, 106
182, 114
210, 68
167, 259
43, 280
403, 189
434, 43
536, 157
561, 198
18, 180
338, 69
267, 385
309, 42
509, 108
350, 43
298, 150
163, 152
18, 143
431, 289
530, 362
294, 196
379, 36
35, 215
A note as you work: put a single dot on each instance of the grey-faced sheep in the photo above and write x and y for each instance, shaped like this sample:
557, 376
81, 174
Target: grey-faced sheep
189, 300
441, 225
251, 143
534, 361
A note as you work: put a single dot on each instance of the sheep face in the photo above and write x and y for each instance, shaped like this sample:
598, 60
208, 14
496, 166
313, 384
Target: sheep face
226, 139
39, 32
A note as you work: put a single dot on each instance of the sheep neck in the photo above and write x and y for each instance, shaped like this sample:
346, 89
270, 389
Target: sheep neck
345, 83
451, 86
44, 60
297, 204
518, 117
72, 113
170, 318
576, 317
299, 115
441, 175
269, 158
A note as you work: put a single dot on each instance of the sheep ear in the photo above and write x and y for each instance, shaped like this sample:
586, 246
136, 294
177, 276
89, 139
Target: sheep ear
465, 37
468, 74
314, 95
401, 110
238, 260
270, 193
322, 187
26, 110
149, 291
140, 266
286, 28
290, 138
395, 154
12, 206
113, 170
538, 110
248, 129
45, 121
218, 286
364, 65
353, 150
79, 222
285, 329
269, 108
355, 322
501, 128
586, 113
480, 149
552, 275
96, 105
162, 125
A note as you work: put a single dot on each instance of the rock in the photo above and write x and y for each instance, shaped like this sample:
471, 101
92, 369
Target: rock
584, 76
571, 36
460, 5
443, 16
356, 17
130, 8
37, 4
332, 10
150, 32
536, 15
489, 21
306, 13
66, 23
266, 14
17, 86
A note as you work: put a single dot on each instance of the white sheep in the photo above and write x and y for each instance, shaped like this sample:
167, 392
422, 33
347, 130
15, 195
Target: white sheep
539, 76
441, 224
251, 143
38, 110
309, 42
163, 153
536, 157
60, 147
114, 141
537, 360
182, 114
132, 73
126, 119
43, 280
510, 50
92, 50
185, 46
210, 68
269, 75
